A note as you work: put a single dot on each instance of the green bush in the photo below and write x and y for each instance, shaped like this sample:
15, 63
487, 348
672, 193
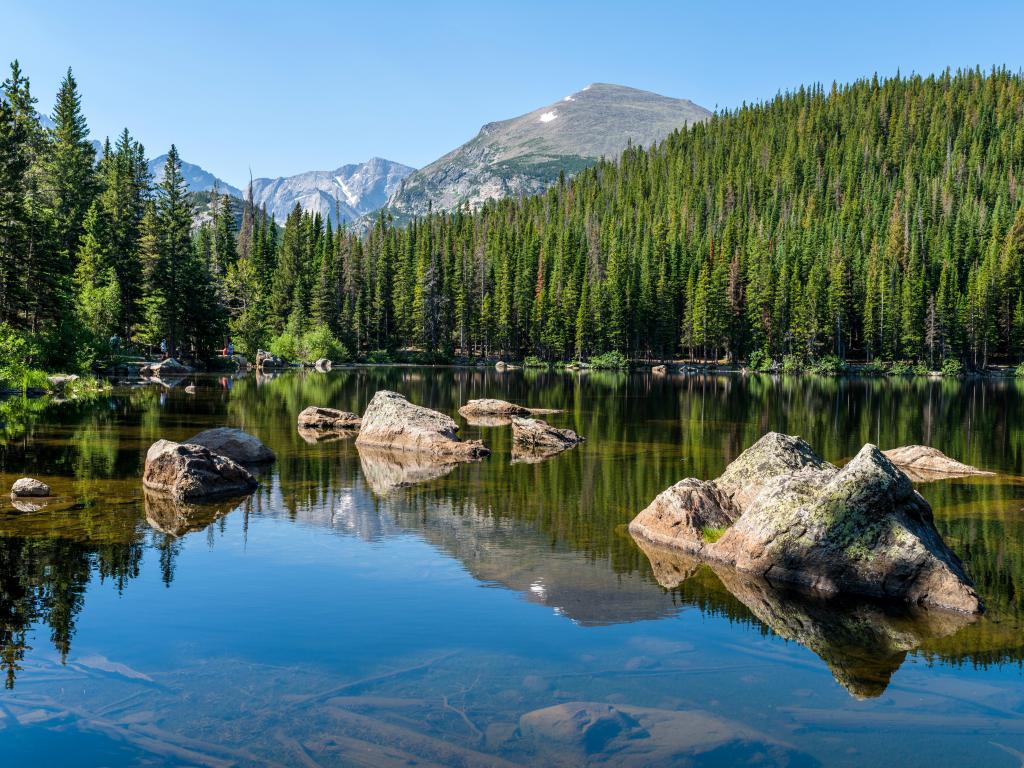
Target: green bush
920, 369
792, 364
1018, 371
309, 347
711, 535
532, 361
759, 361
875, 368
15, 352
830, 365
609, 361
378, 356
901, 368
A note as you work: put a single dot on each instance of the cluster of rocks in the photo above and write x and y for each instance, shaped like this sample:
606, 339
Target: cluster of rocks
164, 369
268, 362
211, 465
782, 512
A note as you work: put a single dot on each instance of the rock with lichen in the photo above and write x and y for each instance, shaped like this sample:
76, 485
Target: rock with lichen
782, 512
922, 464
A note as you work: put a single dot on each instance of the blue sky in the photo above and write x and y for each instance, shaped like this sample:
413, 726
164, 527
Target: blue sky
289, 87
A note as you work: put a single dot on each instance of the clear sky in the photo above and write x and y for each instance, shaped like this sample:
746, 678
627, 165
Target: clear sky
288, 87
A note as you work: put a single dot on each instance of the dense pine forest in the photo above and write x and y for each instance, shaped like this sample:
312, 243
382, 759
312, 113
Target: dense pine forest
881, 220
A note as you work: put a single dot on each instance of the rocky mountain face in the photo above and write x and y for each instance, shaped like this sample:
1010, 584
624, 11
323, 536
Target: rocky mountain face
197, 179
344, 194
525, 155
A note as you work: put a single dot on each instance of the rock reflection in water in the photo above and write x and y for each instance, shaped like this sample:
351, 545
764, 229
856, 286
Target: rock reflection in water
386, 471
176, 518
314, 436
863, 642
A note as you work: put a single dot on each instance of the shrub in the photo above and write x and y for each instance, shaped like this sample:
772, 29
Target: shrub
1018, 371
901, 368
920, 369
759, 361
532, 361
609, 361
309, 347
830, 365
15, 352
875, 368
792, 364
378, 356
285, 346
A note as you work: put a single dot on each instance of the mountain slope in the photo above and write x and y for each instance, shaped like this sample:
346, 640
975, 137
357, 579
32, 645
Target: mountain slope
197, 179
355, 190
525, 154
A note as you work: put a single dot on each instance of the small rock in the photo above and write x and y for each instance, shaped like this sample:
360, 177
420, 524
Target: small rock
27, 486
659, 369
59, 381
323, 364
492, 407
536, 433
317, 417
189, 472
191, 389
235, 444
922, 463
501, 365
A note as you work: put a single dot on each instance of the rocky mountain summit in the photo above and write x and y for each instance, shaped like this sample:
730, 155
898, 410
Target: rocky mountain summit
526, 154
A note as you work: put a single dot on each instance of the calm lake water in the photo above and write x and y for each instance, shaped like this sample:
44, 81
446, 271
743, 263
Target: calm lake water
358, 610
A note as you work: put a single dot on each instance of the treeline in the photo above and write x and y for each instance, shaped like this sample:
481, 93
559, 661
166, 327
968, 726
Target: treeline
879, 220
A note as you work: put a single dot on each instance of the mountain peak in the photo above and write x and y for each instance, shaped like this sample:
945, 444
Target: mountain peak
525, 154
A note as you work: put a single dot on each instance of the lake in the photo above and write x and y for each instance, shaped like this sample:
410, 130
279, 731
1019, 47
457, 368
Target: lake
359, 611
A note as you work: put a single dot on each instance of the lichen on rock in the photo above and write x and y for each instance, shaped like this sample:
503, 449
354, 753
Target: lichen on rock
794, 518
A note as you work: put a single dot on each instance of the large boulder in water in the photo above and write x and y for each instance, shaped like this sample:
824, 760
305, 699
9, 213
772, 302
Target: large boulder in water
922, 464
192, 472
794, 518
235, 444
391, 421
164, 369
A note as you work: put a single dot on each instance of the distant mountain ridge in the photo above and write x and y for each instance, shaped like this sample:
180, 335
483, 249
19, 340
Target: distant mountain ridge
197, 178
344, 194
524, 155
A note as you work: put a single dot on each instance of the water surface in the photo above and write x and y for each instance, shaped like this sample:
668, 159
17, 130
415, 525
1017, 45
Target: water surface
361, 611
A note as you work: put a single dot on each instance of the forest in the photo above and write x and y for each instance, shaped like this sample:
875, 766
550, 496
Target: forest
875, 221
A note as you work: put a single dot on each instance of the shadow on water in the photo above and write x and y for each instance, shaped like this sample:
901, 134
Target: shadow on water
553, 531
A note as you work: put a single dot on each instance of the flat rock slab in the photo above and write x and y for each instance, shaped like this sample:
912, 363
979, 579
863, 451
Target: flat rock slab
322, 419
782, 512
235, 444
490, 407
393, 422
27, 486
923, 464
192, 472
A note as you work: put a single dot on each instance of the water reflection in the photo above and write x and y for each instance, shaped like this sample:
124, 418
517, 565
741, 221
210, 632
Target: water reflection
553, 532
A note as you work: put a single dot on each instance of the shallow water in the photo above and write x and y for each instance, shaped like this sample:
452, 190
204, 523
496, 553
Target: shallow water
361, 611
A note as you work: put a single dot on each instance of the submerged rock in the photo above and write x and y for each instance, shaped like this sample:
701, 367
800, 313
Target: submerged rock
596, 732
28, 486
235, 444
393, 422
922, 464
537, 439
318, 418
781, 511
189, 472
